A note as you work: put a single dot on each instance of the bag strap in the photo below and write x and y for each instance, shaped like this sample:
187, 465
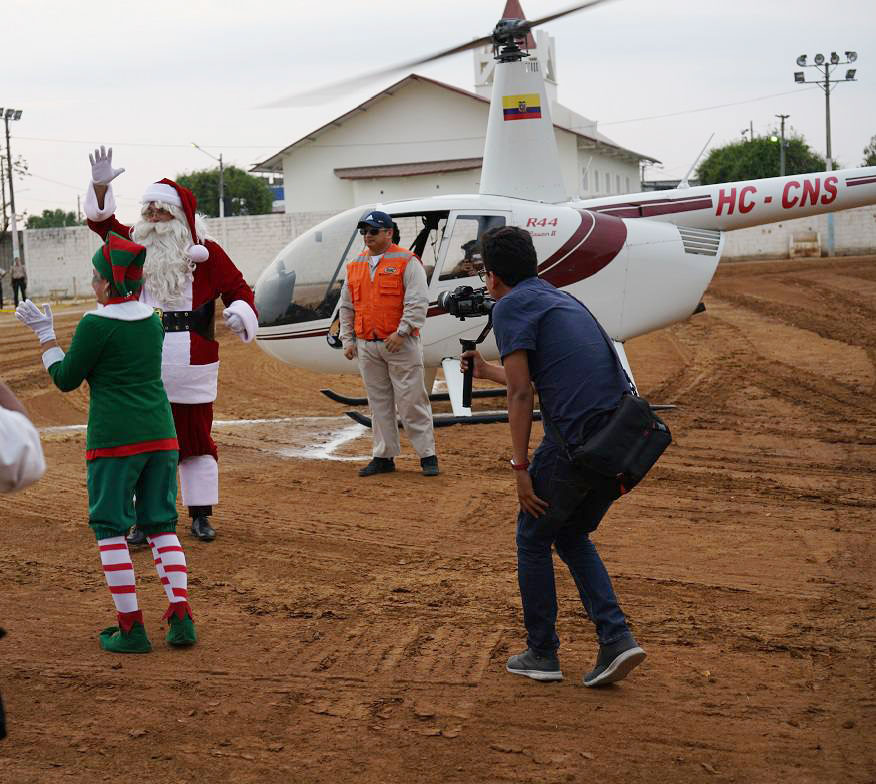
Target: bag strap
549, 425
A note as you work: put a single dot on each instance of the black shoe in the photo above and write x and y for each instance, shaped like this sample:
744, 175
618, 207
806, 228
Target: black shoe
615, 662
429, 465
539, 668
135, 538
202, 529
378, 465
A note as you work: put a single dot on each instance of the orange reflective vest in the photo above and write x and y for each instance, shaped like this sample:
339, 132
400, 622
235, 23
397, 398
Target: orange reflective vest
378, 304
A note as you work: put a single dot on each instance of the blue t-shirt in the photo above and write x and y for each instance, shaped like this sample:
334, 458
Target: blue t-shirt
572, 366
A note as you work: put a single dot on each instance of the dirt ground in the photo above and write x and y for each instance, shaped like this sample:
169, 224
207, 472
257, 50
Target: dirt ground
357, 630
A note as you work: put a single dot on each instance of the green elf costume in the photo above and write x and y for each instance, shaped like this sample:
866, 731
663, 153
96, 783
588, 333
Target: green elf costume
131, 446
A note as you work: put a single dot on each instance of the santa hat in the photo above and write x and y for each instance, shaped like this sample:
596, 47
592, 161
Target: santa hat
169, 192
120, 261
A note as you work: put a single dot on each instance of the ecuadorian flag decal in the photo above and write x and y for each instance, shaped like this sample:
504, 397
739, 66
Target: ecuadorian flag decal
521, 107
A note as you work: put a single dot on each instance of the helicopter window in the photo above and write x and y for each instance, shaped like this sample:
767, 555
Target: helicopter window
302, 283
463, 259
422, 234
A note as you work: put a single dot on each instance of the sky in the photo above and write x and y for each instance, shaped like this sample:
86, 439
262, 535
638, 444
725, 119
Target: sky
151, 77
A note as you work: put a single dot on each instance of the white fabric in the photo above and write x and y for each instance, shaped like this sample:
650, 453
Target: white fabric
123, 311
158, 191
246, 315
199, 481
90, 208
21, 455
52, 355
190, 383
40, 321
162, 575
102, 171
373, 261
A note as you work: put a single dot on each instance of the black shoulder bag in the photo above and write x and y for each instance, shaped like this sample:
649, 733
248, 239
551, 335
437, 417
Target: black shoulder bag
618, 455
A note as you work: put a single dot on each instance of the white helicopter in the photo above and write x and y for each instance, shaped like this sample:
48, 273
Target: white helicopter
640, 261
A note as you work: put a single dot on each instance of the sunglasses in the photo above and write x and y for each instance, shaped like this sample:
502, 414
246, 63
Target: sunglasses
372, 231
482, 274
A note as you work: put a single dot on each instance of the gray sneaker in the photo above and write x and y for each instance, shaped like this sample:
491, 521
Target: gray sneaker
615, 662
539, 668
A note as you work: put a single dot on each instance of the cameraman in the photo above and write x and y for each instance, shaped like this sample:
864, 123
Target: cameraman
546, 338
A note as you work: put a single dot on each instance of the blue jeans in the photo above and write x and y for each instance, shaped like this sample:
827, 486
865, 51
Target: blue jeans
575, 512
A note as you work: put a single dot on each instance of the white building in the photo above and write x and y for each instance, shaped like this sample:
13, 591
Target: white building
420, 137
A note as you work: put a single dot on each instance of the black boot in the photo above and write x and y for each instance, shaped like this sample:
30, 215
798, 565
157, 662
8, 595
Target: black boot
201, 527
135, 537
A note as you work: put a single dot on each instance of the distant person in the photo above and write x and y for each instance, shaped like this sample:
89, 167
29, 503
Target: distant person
548, 339
21, 462
131, 447
383, 307
185, 272
2, 275
19, 281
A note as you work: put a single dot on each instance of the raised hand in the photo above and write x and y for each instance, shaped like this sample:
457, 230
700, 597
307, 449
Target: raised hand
102, 171
40, 321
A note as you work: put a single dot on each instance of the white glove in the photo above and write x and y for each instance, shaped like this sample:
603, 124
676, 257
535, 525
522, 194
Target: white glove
40, 321
102, 171
234, 322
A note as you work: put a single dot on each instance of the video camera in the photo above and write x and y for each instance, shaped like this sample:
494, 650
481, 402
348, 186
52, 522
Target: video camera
466, 302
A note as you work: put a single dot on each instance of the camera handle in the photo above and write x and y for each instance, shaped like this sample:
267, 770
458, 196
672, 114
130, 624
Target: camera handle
471, 345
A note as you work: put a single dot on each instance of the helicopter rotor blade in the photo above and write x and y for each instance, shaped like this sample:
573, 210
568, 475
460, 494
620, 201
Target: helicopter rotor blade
334, 90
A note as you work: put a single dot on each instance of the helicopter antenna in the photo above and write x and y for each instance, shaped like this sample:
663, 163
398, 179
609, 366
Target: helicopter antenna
684, 183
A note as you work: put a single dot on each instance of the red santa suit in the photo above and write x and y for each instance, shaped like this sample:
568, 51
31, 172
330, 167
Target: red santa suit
190, 360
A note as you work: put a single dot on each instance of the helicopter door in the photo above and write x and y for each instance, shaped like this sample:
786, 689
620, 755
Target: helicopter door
461, 263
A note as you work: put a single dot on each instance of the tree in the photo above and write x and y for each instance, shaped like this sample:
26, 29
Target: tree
52, 219
751, 160
244, 194
870, 153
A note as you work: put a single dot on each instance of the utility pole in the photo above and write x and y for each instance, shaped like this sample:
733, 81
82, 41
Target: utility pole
12, 114
827, 67
78, 211
782, 118
221, 178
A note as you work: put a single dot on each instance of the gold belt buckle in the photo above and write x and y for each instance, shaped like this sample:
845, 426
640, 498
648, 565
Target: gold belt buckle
160, 313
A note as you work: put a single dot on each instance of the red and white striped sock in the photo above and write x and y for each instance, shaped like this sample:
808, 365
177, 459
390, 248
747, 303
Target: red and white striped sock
162, 575
168, 550
119, 573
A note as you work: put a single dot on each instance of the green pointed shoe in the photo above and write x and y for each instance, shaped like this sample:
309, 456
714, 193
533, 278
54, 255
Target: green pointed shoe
181, 628
115, 640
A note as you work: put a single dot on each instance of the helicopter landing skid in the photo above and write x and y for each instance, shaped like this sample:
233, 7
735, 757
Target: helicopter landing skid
438, 396
486, 418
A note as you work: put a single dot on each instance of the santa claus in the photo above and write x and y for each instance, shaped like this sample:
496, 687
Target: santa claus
185, 272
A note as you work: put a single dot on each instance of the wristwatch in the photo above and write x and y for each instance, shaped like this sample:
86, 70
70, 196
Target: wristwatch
519, 466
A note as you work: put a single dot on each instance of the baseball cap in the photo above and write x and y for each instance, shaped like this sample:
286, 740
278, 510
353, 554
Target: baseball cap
377, 219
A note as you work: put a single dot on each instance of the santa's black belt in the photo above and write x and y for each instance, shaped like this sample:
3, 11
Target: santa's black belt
199, 320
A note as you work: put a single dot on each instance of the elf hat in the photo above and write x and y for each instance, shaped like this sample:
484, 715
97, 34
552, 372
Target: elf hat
120, 261
170, 192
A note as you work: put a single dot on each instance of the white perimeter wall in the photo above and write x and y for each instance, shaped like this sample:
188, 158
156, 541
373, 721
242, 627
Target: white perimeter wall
61, 258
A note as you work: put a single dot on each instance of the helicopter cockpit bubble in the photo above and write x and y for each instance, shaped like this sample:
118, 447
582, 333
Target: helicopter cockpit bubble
302, 283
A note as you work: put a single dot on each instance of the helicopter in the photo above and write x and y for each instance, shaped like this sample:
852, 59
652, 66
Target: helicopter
640, 261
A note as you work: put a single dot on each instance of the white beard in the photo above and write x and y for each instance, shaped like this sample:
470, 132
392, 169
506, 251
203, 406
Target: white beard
168, 268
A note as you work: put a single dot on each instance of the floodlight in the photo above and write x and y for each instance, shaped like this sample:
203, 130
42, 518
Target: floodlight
851, 56
774, 138
850, 74
799, 77
9, 113
819, 59
1, 112
801, 60
17, 115
834, 58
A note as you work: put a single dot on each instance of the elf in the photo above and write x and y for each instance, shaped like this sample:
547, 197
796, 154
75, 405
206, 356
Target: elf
131, 446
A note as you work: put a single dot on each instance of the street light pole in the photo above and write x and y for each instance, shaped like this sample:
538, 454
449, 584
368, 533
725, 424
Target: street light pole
221, 178
826, 67
12, 114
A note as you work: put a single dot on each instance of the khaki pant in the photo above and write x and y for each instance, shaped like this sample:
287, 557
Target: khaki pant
396, 381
